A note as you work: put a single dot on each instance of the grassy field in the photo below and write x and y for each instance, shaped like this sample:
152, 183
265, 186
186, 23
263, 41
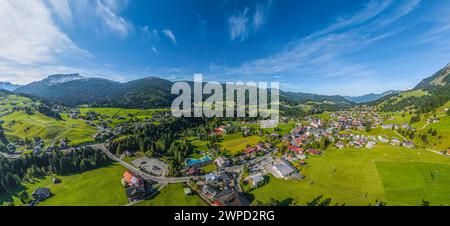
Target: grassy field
173, 195
361, 177
99, 187
8, 102
235, 143
121, 115
21, 125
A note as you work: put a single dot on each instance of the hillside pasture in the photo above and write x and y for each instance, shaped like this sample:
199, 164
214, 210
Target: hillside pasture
362, 177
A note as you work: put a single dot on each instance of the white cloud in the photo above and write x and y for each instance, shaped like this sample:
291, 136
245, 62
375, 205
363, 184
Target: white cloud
61, 8
155, 50
169, 34
30, 42
111, 20
244, 23
238, 26
324, 53
261, 14
29, 34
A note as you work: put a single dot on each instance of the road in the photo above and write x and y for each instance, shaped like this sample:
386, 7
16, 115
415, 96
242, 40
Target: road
170, 180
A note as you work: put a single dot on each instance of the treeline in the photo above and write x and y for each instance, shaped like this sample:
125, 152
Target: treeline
47, 111
437, 97
162, 140
15, 171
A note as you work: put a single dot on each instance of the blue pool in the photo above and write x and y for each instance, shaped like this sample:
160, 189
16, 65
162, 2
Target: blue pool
192, 162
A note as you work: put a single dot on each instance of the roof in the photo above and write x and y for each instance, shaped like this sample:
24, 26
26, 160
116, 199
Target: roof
130, 178
230, 198
283, 169
42, 191
257, 178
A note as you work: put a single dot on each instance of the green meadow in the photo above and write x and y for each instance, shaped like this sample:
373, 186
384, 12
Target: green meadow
21, 125
173, 195
121, 115
396, 175
99, 187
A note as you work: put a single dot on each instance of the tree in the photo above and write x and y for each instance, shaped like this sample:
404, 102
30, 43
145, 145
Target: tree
24, 197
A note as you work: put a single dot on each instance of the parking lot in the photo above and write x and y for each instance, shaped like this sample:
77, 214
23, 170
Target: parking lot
152, 166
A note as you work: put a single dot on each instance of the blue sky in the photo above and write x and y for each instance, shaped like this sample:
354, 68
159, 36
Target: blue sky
326, 47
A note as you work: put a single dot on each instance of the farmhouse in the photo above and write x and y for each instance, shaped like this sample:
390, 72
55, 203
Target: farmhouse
222, 162
211, 177
257, 180
313, 151
340, 144
209, 192
134, 185
230, 198
41, 194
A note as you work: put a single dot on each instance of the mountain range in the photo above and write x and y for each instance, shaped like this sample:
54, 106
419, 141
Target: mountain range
8, 86
370, 97
154, 92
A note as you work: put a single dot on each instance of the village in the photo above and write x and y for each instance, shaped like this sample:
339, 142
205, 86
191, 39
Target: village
281, 156
277, 155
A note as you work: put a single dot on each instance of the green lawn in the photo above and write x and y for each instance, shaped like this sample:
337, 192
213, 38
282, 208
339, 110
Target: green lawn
21, 125
354, 177
406, 183
235, 143
99, 187
173, 195
209, 168
121, 115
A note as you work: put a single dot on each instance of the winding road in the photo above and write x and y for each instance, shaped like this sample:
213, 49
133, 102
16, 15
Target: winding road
170, 180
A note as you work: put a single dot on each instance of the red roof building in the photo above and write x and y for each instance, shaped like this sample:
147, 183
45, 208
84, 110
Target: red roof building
131, 179
314, 151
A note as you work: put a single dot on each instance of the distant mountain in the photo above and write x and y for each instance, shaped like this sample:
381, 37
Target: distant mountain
8, 86
369, 97
440, 79
428, 95
150, 92
42, 86
75, 90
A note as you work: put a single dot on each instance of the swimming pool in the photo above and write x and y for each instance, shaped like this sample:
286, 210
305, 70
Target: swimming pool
192, 162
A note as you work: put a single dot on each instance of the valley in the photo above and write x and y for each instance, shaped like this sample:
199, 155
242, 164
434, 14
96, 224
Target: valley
391, 151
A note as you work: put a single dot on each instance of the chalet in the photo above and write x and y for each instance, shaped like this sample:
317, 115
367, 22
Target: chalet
41, 194
193, 171
134, 185
209, 192
274, 135
408, 144
222, 162
395, 141
230, 198
220, 130
211, 177
257, 180
313, 151
251, 150
383, 139
370, 144
340, 144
